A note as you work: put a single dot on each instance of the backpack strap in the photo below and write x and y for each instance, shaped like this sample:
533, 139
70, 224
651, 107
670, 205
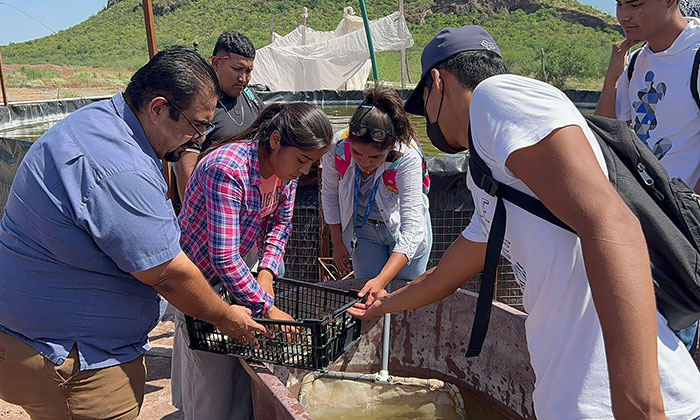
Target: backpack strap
633, 60
694, 78
342, 154
343, 157
424, 165
693, 73
389, 175
481, 174
483, 178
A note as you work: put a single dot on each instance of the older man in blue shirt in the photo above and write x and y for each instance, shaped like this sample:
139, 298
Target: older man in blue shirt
89, 238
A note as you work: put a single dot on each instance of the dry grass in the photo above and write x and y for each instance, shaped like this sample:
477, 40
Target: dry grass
36, 82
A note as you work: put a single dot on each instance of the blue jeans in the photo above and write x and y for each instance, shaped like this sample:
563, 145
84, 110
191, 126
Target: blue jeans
374, 247
689, 337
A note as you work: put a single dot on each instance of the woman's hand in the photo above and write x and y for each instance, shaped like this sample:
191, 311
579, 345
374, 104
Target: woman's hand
341, 258
374, 310
239, 325
266, 280
290, 332
276, 313
370, 289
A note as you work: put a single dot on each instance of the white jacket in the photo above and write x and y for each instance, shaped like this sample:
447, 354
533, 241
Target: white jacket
405, 214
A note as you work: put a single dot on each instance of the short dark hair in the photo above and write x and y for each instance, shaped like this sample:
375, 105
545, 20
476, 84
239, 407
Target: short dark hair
233, 42
178, 74
473, 67
386, 113
300, 125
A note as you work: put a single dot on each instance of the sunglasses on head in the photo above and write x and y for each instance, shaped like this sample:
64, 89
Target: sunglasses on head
377, 134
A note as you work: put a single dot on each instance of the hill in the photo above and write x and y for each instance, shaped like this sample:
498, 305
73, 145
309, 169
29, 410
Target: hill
575, 39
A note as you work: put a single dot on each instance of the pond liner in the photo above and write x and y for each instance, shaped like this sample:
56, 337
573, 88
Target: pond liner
12, 152
17, 114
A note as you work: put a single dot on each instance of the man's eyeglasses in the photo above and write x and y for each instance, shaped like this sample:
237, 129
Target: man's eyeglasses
208, 127
377, 134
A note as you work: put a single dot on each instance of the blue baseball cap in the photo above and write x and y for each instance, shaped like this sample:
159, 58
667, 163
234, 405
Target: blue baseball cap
448, 42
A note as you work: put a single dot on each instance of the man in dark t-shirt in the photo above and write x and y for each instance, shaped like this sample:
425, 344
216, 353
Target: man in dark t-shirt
237, 107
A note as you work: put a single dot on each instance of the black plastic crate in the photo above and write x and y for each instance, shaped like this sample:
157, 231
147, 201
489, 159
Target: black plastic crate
324, 328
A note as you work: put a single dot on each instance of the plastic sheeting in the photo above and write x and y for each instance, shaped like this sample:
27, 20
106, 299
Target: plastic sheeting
584, 99
319, 97
30, 113
11, 154
306, 59
20, 114
406, 398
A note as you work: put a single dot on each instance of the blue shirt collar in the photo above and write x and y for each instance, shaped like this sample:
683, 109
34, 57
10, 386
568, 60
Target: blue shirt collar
125, 113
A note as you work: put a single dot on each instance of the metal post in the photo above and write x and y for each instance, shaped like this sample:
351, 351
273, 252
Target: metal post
544, 71
324, 232
370, 44
272, 29
150, 28
153, 50
2, 83
403, 50
304, 19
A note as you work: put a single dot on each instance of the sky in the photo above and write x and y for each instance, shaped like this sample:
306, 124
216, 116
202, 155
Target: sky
55, 14
16, 26
607, 6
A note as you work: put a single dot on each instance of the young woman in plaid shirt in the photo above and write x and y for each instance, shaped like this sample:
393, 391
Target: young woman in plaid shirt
237, 211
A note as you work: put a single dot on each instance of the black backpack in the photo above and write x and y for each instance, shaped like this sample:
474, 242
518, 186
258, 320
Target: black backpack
693, 73
669, 212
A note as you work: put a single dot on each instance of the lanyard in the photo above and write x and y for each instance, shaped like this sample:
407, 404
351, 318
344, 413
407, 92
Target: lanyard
370, 203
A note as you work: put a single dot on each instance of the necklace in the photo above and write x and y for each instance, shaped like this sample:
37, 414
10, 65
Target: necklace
231, 116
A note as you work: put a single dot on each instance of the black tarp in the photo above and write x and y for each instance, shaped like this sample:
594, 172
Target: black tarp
12, 152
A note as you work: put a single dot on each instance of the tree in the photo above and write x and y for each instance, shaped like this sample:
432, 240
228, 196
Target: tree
564, 60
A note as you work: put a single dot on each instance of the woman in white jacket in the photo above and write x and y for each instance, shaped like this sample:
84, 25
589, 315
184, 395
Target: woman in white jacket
374, 194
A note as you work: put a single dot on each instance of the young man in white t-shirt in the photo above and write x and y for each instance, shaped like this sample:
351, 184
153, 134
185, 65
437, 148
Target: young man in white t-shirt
657, 99
597, 345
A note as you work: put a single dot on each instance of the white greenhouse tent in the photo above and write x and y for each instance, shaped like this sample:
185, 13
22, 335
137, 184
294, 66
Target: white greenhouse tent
306, 59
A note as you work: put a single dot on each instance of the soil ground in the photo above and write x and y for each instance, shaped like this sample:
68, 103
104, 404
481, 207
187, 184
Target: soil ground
156, 403
31, 82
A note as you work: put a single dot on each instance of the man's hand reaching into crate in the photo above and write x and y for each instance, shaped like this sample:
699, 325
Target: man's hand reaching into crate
240, 325
184, 286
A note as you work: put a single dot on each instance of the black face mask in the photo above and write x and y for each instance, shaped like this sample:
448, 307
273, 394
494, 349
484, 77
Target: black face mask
433, 128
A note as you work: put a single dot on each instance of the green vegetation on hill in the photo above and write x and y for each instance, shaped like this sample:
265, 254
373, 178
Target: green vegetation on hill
575, 55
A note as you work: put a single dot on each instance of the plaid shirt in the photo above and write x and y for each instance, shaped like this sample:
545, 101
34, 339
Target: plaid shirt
221, 223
